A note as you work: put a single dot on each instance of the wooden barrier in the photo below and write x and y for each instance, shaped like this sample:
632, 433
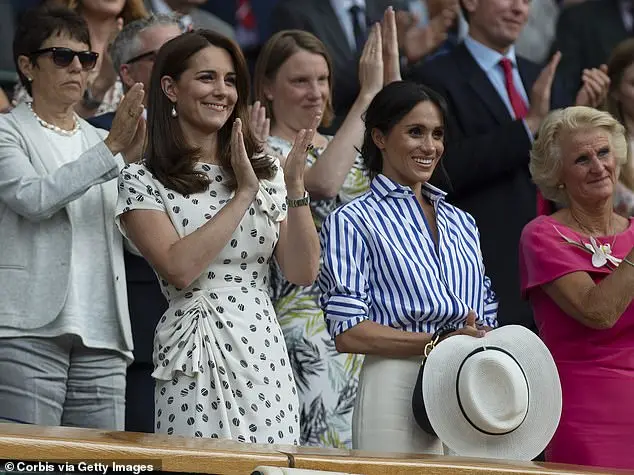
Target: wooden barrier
175, 454
354, 461
213, 456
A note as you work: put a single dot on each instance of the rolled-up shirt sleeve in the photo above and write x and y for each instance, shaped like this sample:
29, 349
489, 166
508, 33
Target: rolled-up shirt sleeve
343, 278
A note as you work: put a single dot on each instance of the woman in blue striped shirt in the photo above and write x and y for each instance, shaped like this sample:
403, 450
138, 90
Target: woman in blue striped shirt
400, 263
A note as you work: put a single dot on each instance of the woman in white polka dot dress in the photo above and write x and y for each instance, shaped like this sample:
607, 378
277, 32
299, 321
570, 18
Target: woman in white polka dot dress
209, 219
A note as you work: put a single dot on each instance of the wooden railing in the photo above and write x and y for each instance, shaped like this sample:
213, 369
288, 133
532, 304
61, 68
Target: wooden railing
58, 445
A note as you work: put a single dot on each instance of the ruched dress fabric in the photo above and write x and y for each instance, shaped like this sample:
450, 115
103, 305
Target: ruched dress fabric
221, 363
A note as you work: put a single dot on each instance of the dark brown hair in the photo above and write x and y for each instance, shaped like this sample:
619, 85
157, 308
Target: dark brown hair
276, 52
387, 109
168, 156
622, 57
132, 9
39, 24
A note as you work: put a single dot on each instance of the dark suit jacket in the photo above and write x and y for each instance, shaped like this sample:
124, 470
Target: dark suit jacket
586, 34
319, 18
486, 160
146, 303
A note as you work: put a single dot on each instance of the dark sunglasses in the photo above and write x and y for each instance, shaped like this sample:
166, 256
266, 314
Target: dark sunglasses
62, 57
149, 54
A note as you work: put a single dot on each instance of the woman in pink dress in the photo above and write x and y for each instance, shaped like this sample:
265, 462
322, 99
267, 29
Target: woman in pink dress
577, 269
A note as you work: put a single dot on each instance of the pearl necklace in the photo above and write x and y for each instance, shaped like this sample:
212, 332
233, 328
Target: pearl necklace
55, 128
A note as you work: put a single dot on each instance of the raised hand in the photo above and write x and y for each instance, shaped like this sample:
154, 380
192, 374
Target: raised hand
391, 59
134, 152
419, 42
260, 123
246, 179
595, 85
295, 163
371, 63
540, 94
126, 122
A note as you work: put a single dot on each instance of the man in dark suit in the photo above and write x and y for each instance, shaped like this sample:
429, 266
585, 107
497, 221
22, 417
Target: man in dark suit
586, 35
342, 26
133, 52
496, 103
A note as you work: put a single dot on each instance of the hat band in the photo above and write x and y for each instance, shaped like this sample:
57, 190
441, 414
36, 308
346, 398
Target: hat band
474, 352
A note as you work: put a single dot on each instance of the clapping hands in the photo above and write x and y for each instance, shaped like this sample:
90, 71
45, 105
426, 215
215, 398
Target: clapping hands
295, 164
595, 85
380, 63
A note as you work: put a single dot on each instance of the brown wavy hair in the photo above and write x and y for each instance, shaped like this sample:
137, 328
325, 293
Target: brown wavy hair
276, 52
132, 10
170, 158
622, 57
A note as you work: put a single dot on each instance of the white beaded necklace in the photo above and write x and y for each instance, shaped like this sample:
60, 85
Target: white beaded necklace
55, 128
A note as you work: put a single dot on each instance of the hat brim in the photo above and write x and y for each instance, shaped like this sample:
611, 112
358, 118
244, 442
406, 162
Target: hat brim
445, 414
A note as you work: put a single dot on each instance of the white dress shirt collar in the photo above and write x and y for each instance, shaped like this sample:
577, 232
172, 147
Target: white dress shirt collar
486, 57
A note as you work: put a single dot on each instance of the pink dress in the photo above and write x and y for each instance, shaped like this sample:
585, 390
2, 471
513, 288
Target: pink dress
596, 367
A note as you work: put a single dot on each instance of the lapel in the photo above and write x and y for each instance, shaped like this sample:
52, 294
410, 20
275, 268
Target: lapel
479, 82
529, 73
333, 34
34, 136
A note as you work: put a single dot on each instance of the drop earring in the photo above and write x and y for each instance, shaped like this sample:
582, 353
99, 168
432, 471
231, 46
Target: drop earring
174, 113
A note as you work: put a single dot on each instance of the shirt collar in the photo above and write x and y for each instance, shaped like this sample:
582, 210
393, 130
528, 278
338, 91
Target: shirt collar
486, 57
345, 5
383, 186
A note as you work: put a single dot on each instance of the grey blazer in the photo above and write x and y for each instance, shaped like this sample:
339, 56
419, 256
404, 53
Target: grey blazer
35, 229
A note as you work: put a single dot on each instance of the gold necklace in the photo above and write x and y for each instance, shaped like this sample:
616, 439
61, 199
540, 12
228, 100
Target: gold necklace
585, 230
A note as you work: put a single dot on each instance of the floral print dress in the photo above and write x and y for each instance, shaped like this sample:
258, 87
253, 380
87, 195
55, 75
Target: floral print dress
326, 380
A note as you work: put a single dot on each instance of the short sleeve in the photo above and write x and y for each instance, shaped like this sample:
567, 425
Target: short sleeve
546, 254
343, 278
137, 190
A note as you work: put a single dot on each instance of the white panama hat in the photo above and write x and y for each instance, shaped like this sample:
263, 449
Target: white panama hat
498, 396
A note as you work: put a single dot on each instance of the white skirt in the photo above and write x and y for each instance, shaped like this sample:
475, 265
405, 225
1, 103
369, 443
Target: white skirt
383, 420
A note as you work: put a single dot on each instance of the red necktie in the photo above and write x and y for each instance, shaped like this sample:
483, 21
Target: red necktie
520, 110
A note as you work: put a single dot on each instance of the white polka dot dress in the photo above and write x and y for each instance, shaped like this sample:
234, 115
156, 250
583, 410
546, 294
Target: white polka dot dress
221, 364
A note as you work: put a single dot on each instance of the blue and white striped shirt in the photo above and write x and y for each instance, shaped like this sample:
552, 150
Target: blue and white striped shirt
381, 263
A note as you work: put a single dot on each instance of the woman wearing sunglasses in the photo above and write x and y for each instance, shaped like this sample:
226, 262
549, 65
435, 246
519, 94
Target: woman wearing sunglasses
105, 18
64, 327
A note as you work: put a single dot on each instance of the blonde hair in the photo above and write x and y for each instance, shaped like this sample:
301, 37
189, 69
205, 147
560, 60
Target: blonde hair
622, 57
132, 9
275, 53
546, 160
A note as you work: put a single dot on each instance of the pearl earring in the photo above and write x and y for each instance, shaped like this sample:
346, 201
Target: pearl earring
560, 186
174, 113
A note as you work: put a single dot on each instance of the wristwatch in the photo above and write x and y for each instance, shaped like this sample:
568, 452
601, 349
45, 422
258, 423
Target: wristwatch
298, 202
89, 101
